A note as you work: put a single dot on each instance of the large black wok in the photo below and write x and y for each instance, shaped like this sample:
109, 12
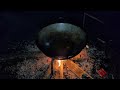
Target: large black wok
61, 40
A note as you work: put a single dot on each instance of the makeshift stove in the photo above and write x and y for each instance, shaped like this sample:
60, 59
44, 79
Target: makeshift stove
62, 41
62, 69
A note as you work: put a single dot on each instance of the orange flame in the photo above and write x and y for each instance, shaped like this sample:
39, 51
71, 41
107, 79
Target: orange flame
59, 63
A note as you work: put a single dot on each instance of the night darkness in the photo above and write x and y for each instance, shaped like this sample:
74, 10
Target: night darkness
21, 26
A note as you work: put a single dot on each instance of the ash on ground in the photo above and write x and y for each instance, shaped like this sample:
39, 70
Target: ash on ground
25, 61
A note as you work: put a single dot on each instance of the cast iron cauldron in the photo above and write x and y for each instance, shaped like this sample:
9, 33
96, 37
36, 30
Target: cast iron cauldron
61, 40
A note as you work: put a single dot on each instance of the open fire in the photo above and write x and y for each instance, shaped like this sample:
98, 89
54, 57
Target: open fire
59, 63
59, 66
